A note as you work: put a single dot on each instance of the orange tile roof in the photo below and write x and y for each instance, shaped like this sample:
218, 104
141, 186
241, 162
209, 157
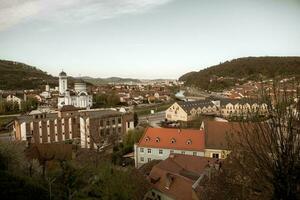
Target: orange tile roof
183, 139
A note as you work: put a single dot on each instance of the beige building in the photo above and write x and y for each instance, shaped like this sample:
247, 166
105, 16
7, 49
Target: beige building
241, 107
188, 110
88, 128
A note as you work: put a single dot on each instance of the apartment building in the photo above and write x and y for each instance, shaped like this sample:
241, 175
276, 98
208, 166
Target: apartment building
84, 127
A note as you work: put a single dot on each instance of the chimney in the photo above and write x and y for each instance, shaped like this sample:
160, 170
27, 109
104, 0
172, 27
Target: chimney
169, 180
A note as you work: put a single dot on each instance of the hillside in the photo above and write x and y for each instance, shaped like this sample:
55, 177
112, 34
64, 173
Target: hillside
239, 70
14, 76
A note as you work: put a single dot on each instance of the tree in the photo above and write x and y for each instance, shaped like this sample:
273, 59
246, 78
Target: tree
135, 119
266, 154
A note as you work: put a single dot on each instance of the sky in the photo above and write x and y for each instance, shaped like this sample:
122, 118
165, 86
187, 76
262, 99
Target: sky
144, 39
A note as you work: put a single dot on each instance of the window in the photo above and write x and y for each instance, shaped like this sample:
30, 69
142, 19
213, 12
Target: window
149, 150
142, 150
101, 122
142, 159
173, 140
215, 155
189, 141
160, 151
194, 153
149, 159
101, 132
171, 151
119, 120
182, 152
157, 139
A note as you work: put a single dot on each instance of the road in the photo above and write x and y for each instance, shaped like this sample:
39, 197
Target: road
153, 119
14, 115
5, 137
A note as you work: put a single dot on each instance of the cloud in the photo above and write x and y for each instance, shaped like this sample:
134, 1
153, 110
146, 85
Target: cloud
13, 12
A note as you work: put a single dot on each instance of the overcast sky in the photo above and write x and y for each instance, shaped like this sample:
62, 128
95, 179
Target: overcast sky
145, 38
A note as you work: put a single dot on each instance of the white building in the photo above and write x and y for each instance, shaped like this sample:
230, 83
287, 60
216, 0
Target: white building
159, 143
78, 97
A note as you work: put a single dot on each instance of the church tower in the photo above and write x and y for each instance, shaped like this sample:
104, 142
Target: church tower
63, 83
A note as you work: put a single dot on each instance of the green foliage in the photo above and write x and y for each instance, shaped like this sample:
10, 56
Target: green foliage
250, 68
14, 182
12, 157
20, 187
106, 100
15, 75
110, 183
29, 104
8, 107
132, 137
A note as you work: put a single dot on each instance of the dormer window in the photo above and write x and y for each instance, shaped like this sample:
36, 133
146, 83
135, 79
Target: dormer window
173, 141
189, 141
147, 139
157, 139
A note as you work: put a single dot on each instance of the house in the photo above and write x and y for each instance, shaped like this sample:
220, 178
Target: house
15, 99
217, 136
188, 110
178, 177
159, 143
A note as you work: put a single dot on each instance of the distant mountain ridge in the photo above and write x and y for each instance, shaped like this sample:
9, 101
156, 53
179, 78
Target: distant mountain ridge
242, 69
101, 81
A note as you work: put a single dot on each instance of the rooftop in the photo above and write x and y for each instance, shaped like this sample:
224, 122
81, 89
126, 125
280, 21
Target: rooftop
168, 138
189, 105
176, 175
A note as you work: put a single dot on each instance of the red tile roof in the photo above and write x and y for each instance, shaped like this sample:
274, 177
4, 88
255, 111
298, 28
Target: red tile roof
176, 175
183, 139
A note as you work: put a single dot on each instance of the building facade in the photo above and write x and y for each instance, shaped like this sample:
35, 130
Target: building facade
159, 143
87, 128
189, 110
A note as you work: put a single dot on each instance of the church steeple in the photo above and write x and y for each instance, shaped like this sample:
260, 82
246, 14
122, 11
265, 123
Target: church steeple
63, 83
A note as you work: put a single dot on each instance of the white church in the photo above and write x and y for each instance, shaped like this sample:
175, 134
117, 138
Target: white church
78, 97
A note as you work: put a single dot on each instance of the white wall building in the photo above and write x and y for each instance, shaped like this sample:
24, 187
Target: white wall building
159, 143
78, 97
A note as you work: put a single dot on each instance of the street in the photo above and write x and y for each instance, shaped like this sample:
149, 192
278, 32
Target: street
153, 119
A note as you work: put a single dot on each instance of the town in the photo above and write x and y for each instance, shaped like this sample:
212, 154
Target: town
185, 141
149, 100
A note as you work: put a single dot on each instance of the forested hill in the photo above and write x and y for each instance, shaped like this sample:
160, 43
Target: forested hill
242, 69
15, 75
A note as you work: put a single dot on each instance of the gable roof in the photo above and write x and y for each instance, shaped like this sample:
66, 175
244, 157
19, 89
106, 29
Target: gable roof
217, 133
176, 175
187, 106
183, 139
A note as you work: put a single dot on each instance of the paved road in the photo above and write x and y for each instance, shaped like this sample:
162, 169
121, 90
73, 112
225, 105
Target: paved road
153, 119
14, 115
